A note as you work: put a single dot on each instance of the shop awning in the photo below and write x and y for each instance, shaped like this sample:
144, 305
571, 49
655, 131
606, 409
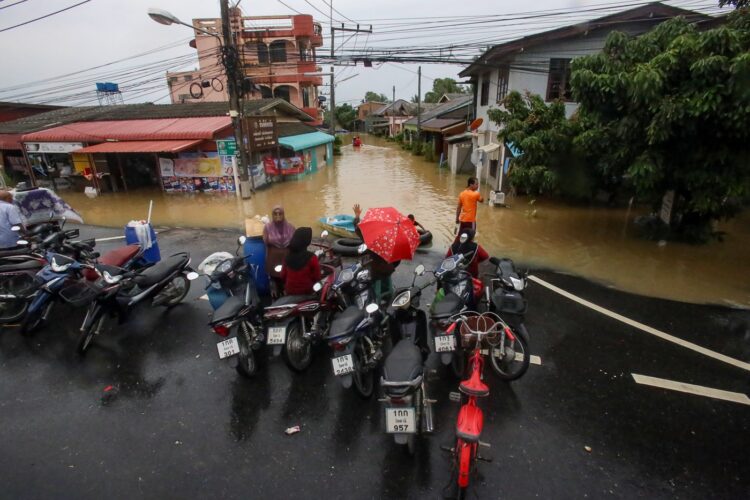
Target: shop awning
489, 148
163, 129
10, 141
139, 147
305, 141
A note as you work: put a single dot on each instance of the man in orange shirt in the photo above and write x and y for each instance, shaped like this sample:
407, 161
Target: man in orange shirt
466, 211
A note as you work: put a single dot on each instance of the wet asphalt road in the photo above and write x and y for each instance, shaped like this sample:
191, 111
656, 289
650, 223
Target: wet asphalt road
183, 424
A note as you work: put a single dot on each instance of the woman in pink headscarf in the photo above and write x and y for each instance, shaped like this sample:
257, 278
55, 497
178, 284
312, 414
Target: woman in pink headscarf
276, 235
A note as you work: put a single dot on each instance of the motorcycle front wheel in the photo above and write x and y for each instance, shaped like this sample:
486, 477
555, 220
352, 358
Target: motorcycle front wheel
515, 362
89, 330
364, 381
11, 310
298, 350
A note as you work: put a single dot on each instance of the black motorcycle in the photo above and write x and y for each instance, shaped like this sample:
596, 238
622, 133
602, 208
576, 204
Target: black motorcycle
119, 291
408, 410
504, 296
231, 283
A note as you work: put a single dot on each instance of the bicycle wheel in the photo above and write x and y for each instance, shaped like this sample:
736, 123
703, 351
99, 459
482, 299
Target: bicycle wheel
514, 363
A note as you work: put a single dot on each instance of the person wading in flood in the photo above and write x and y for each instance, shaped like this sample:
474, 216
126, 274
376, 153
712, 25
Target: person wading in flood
276, 235
466, 211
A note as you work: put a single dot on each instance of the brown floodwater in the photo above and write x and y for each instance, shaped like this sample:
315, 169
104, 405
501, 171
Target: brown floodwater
597, 243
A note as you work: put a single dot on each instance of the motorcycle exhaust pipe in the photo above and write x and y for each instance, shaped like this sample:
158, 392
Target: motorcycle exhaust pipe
346, 381
446, 357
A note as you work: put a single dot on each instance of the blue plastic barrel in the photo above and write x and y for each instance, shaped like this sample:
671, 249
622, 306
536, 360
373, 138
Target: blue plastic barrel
255, 255
150, 255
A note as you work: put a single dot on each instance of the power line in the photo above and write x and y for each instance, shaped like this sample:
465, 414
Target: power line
45, 16
13, 4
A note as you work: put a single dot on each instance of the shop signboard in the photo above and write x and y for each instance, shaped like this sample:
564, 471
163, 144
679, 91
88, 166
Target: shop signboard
261, 132
197, 172
52, 147
226, 147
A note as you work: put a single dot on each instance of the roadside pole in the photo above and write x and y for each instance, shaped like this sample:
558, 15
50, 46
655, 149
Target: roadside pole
419, 101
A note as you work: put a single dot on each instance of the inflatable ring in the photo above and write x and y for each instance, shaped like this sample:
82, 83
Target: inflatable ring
346, 246
425, 238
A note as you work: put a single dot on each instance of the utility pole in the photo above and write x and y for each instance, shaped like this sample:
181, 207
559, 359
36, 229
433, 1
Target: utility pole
236, 112
394, 94
419, 101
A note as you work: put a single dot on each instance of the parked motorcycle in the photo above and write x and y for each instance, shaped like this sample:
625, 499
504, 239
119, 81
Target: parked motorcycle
504, 296
119, 291
296, 322
460, 292
232, 291
61, 269
408, 410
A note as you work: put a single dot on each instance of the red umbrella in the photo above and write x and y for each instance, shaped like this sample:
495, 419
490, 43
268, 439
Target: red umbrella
389, 234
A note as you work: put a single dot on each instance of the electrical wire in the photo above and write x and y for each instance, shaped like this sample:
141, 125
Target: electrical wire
44, 17
13, 4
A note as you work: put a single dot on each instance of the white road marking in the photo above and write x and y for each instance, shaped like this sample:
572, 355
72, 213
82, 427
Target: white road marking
535, 360
653, 331
203, 297
735, 397
111, 238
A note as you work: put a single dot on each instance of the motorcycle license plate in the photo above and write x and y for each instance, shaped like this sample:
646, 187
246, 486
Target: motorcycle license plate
445, 343
228, 347
276, 335
400, 420
342, 365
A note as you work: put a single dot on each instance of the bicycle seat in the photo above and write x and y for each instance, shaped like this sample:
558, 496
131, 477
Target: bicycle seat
474, 386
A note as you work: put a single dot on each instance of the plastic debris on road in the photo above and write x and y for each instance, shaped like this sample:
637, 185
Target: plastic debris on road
292, 430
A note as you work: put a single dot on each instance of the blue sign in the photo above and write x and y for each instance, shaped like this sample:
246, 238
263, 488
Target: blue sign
514, 150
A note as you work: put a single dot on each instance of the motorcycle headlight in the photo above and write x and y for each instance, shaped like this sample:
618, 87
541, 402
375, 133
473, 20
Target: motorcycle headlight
448, 264
402, 300
346, 275
59, 268
224, 267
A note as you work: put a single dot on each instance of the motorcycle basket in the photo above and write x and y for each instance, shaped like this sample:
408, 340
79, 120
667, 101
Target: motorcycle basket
487, 324
81, 292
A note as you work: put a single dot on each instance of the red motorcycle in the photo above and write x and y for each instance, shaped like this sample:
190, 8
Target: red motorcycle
297, 322
477, 332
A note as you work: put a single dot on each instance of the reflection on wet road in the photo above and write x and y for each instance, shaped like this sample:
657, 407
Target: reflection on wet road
597, 243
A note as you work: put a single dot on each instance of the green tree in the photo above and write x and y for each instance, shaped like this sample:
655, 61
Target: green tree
669, 111
443, 86
550, 162
345, 116
371, 96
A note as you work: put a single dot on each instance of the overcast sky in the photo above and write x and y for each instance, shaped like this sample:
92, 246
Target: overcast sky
102, 31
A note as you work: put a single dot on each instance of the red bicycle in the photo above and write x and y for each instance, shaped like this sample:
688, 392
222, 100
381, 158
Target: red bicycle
477, 333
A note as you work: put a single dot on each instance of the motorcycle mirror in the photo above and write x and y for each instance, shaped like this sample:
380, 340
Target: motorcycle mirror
464, 237
419, 270
278, 268
316, 287
241, 240
192, 275
15, 228
361, 249
324, 234
22, 243
371, 308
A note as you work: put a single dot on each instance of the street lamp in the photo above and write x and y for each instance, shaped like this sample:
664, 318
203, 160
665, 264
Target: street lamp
227, 50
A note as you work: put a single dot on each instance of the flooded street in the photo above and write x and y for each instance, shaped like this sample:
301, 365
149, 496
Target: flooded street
596, 243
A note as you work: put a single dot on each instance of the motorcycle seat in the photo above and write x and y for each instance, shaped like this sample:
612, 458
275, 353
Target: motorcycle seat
9, 252
228, 310
344, 323
506, 268
161, 270
21, 266
404, 363
469, 424
120, 256
447, 307
291, 299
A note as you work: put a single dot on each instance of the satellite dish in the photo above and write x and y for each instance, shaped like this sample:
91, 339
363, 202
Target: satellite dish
476, 124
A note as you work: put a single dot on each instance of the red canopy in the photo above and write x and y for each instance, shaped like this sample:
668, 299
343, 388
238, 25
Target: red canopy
10, 141
139, 147
163, 129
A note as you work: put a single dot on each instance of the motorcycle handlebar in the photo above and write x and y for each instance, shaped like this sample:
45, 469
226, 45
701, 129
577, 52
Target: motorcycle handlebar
495, 261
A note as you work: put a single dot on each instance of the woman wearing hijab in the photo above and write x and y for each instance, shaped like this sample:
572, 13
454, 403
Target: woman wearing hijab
301, 268
471, 250
276, 235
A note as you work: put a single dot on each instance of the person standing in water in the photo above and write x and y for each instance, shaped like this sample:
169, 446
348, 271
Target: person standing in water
466, 211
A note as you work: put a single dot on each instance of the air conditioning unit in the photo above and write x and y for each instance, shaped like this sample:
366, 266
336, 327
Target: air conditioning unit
497, 198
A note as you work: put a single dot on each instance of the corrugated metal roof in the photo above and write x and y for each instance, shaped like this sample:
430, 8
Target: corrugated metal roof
443, 109
441, 123
305, 141
10, 141
139, 147
146, 111
134, 130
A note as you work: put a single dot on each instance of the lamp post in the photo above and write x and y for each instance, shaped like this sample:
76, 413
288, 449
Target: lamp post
230, 68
